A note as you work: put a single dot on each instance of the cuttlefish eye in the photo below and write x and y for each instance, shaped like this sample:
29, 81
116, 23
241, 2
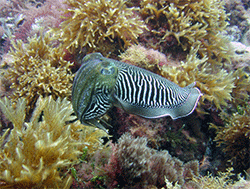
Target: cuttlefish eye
107, 71
107, 68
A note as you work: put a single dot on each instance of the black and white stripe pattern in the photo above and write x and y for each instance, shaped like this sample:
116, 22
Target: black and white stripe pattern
100, 103
145, 90
102, 83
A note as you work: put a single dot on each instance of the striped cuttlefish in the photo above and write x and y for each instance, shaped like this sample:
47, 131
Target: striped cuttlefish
102, 83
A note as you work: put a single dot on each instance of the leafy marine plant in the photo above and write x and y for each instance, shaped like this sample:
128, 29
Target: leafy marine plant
99, 25
242, 87
134, 165
35, 151
37, 68
234, 137
176, 23
216, 86
142, 57
223, 180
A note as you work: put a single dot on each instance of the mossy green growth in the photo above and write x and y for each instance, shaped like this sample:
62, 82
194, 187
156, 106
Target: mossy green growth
174, 137
83, 157
74, 173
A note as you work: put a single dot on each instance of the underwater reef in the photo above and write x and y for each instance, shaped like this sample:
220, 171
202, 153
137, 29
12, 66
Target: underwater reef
44, 145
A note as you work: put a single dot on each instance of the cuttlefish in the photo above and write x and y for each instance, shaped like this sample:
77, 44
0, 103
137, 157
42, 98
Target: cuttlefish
102, 83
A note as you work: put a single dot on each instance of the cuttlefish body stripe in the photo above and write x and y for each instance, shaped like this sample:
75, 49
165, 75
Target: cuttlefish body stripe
149, 95
102, 83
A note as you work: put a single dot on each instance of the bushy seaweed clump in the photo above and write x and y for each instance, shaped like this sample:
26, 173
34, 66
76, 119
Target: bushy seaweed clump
37, 68
183, 23
134, 165
216, 87
34, 152
222, 180
234, 137
222, 87
149, 59
241, 90
131, 164
213, 182
99, 25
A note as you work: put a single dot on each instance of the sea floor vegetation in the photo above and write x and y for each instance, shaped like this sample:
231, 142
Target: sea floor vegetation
43, 145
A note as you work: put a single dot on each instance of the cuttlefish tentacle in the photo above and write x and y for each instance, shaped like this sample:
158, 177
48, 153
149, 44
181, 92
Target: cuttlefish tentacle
102, 83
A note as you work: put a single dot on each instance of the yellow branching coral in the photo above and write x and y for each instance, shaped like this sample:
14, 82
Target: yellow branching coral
189, 22
95, 24
37, 68
234, 137
215, 86
35, 150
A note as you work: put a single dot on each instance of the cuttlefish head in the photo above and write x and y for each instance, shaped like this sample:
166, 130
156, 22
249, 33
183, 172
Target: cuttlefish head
93, 88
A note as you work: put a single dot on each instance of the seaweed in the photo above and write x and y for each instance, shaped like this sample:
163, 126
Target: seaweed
223, 180
234, 137
215, 86
176, 23
37, 69
35, 151
242, 87
98, 26
134, 165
